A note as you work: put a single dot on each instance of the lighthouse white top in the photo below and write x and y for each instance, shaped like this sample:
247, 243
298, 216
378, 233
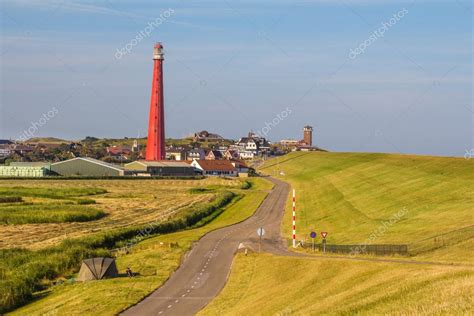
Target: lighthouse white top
158, 51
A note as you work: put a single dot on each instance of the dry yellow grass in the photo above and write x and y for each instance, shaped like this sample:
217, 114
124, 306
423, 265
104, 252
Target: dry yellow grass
127, 202
296, 286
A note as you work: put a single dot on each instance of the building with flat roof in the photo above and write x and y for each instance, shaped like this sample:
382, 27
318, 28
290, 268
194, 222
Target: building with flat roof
88, 167
26, 169
165, 168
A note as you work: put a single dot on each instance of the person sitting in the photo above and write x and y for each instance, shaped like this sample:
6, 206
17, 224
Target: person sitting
129, 272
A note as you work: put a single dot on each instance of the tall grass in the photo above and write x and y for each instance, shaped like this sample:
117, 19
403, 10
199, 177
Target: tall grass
25, 271
53, 193
43, 213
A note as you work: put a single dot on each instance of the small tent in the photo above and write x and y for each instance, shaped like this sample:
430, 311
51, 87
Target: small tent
97, 269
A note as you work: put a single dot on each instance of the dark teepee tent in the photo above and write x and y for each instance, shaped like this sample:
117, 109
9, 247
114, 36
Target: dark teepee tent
97, 269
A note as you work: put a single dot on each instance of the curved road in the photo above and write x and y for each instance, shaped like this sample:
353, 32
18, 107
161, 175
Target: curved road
205, 270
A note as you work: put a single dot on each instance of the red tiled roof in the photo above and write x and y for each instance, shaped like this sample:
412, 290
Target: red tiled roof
239, 163
216, 165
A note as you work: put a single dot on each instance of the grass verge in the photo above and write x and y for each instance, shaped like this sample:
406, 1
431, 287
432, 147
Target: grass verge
296, 286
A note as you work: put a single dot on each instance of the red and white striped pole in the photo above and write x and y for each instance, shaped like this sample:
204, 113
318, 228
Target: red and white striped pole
294, 218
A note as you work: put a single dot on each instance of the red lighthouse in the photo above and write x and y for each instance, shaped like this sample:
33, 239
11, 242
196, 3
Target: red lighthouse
155, 149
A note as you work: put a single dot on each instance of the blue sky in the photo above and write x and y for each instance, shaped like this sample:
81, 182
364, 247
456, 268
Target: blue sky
233, 66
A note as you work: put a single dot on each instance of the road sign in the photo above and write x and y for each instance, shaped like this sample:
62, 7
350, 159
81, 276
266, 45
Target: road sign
260, 233
324, 234
313, 235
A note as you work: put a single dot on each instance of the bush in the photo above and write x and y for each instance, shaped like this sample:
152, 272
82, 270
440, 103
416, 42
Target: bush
245, 185
253, 173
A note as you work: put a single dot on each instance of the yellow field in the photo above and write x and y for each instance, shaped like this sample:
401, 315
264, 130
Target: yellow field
127, 202
271, 285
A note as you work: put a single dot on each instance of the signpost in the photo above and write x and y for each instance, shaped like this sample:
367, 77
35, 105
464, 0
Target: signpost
260, 233
313, 236
324, 234
294, 218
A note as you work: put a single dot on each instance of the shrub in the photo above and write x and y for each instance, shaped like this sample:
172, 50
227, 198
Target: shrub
253, 173
246, 185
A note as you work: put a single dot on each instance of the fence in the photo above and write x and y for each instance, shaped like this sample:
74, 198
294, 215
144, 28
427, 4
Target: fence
442, 240
381, 250
415, 248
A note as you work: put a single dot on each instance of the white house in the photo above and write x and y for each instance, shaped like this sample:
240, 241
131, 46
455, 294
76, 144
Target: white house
217, 168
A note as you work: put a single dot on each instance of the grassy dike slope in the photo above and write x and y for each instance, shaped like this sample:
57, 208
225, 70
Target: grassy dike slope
153, 259
348, 195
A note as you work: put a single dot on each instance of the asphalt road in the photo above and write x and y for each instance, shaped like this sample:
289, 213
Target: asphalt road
205, 270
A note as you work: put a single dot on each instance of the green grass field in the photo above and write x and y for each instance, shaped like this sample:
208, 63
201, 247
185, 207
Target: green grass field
49, 193
28, 214
153, 259
47, 205
350, 195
